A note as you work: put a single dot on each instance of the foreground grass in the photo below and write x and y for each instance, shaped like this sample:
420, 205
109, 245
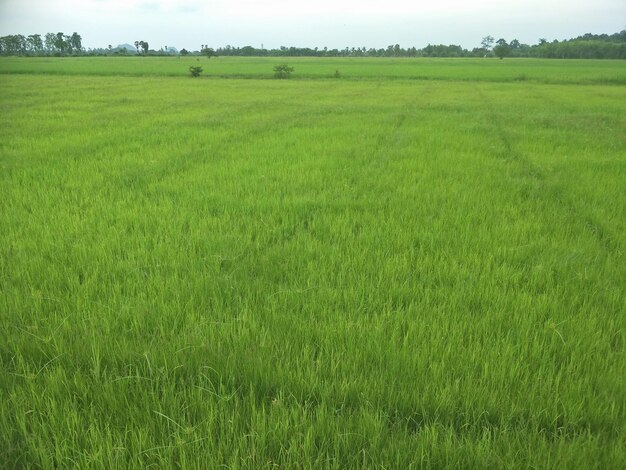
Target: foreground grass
311, 273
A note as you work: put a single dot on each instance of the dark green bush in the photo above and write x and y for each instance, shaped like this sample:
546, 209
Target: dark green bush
195, 70
282, 71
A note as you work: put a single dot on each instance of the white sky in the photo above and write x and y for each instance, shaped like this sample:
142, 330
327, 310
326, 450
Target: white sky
331, 23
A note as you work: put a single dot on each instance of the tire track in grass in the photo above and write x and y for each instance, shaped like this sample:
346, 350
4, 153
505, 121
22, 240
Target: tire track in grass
284, 118
389, 140
550, 190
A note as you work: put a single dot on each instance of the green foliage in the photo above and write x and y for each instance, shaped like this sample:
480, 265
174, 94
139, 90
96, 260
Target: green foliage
142, 47
502, 49
600, 46
377, 273
282, 71
195, 70
487, 42
55, 44
208, 51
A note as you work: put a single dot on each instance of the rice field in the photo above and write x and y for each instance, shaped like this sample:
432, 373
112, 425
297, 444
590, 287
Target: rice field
417, 265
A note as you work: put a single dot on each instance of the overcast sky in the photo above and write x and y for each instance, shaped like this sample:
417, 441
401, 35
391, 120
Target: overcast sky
331, 23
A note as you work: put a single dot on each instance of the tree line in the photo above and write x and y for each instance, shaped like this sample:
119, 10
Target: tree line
58, 44
588, 46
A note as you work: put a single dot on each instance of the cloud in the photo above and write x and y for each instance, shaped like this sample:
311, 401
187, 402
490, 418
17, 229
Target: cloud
188, 8
372, 23
149, 6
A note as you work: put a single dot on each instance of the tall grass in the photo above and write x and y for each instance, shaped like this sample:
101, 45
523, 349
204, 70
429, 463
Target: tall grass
324, 273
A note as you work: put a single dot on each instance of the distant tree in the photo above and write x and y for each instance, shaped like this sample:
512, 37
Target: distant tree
50, 42
248, 51
184, 51
76, 42
35, 43
59, 43
142, 47
502, 49
68, 44
282, 71
208, 51
15, 44
21, 43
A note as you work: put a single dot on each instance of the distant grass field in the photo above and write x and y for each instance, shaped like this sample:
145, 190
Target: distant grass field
537, 70
323, 273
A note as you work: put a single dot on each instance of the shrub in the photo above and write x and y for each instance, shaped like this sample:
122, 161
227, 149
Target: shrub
195, 70
282, 71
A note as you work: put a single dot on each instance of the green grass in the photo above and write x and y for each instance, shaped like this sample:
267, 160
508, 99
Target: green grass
311, 273
508, 70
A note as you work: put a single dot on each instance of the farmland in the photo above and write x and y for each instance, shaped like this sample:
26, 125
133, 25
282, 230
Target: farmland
420, 263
